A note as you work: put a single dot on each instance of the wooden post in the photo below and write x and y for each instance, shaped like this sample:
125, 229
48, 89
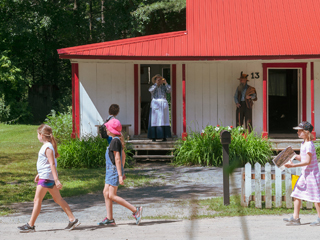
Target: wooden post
288, 188
278, 185
247, 183
257, 168
268, 186
243, 204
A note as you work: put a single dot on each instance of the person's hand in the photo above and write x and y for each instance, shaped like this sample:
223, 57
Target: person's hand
121, 180
289, 165
58, 184
124, 177
164, 81
36, 179
238, 105
248, 97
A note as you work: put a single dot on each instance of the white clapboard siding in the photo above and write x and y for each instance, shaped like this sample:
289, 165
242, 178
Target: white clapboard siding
278, 177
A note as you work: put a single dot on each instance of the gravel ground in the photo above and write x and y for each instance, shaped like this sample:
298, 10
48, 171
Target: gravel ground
167, 197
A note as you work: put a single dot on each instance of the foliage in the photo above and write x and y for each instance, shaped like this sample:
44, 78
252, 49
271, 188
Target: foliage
87, 152
205, 148
61, 124
13, 91
317, 147
155, 16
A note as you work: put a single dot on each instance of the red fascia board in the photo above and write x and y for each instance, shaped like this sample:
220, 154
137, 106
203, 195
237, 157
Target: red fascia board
120, 42
190, 58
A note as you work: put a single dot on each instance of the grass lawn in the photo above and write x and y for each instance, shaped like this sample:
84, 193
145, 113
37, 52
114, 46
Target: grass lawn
19, 147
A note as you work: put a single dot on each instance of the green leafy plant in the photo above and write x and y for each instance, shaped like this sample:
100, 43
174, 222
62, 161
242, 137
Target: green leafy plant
87, 152
61, 124
317, 147
205, 148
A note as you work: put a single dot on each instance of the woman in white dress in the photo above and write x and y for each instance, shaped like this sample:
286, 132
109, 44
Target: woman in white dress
159, 124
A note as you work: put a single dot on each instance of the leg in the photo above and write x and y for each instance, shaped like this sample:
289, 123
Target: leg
55, 193
40, 193
108, 201
113, 196
240, 114
317, 205
248, 116
297, 205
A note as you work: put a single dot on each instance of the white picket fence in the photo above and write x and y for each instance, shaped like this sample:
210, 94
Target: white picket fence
270, 175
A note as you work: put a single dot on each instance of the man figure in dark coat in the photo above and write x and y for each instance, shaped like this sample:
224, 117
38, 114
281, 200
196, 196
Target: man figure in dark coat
244, 97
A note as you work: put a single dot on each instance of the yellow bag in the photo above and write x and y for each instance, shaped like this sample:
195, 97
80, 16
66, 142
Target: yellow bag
294, 179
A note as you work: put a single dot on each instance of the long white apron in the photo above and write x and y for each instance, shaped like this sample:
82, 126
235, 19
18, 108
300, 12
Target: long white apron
159, 112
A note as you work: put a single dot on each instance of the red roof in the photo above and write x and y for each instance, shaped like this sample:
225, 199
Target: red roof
224, 29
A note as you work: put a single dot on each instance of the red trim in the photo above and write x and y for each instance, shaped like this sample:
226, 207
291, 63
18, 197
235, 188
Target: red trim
189, 58
312, 99
265, 102
136, 99
75, 101
173, 100
303, 66
184, 113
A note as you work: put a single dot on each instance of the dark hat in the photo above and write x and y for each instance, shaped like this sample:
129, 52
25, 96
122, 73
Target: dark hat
243, 76
304, 126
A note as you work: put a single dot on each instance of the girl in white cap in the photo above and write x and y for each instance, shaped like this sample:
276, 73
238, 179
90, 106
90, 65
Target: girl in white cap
115, 160
308, 185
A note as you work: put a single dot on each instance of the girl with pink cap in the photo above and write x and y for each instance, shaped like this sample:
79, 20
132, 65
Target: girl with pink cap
115, 160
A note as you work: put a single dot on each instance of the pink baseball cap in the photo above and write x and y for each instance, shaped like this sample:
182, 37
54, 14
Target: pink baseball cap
114, 126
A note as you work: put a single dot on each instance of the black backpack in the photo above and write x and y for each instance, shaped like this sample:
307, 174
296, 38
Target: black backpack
103, 129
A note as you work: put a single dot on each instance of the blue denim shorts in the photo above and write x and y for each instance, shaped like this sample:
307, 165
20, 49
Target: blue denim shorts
112, 177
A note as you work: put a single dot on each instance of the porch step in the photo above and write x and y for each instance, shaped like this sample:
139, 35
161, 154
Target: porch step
146, 149
280, 144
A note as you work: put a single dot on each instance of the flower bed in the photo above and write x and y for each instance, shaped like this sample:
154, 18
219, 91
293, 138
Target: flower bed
204, 148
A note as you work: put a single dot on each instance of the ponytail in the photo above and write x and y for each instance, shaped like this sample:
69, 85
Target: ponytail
55, 147
46, 131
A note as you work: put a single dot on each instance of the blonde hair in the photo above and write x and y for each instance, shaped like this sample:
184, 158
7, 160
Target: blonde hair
46, 132
309, 135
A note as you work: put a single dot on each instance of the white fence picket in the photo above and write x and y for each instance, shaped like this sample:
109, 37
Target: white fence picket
268, 185
243, 204
257, 169
298, 172
288, 187
278, 186
248, 189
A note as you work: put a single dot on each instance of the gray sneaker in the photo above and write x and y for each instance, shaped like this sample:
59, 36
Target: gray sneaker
27, 228
291, 221
316, 223
72, 225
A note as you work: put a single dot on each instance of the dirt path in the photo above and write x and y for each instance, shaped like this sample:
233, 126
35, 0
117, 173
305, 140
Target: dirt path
165, 198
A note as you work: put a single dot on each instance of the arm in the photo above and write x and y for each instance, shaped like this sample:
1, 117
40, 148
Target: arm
152, 88
118, 165
168, 87
36, 179
123, 163
49, 154
301, 164
235, 97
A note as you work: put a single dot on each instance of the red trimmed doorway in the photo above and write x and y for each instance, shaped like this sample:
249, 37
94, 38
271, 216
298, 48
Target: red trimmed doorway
142, 104
284, 98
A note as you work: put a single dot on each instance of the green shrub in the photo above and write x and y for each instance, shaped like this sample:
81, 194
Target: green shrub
87, 152
61, 124
205, 148
317, 147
